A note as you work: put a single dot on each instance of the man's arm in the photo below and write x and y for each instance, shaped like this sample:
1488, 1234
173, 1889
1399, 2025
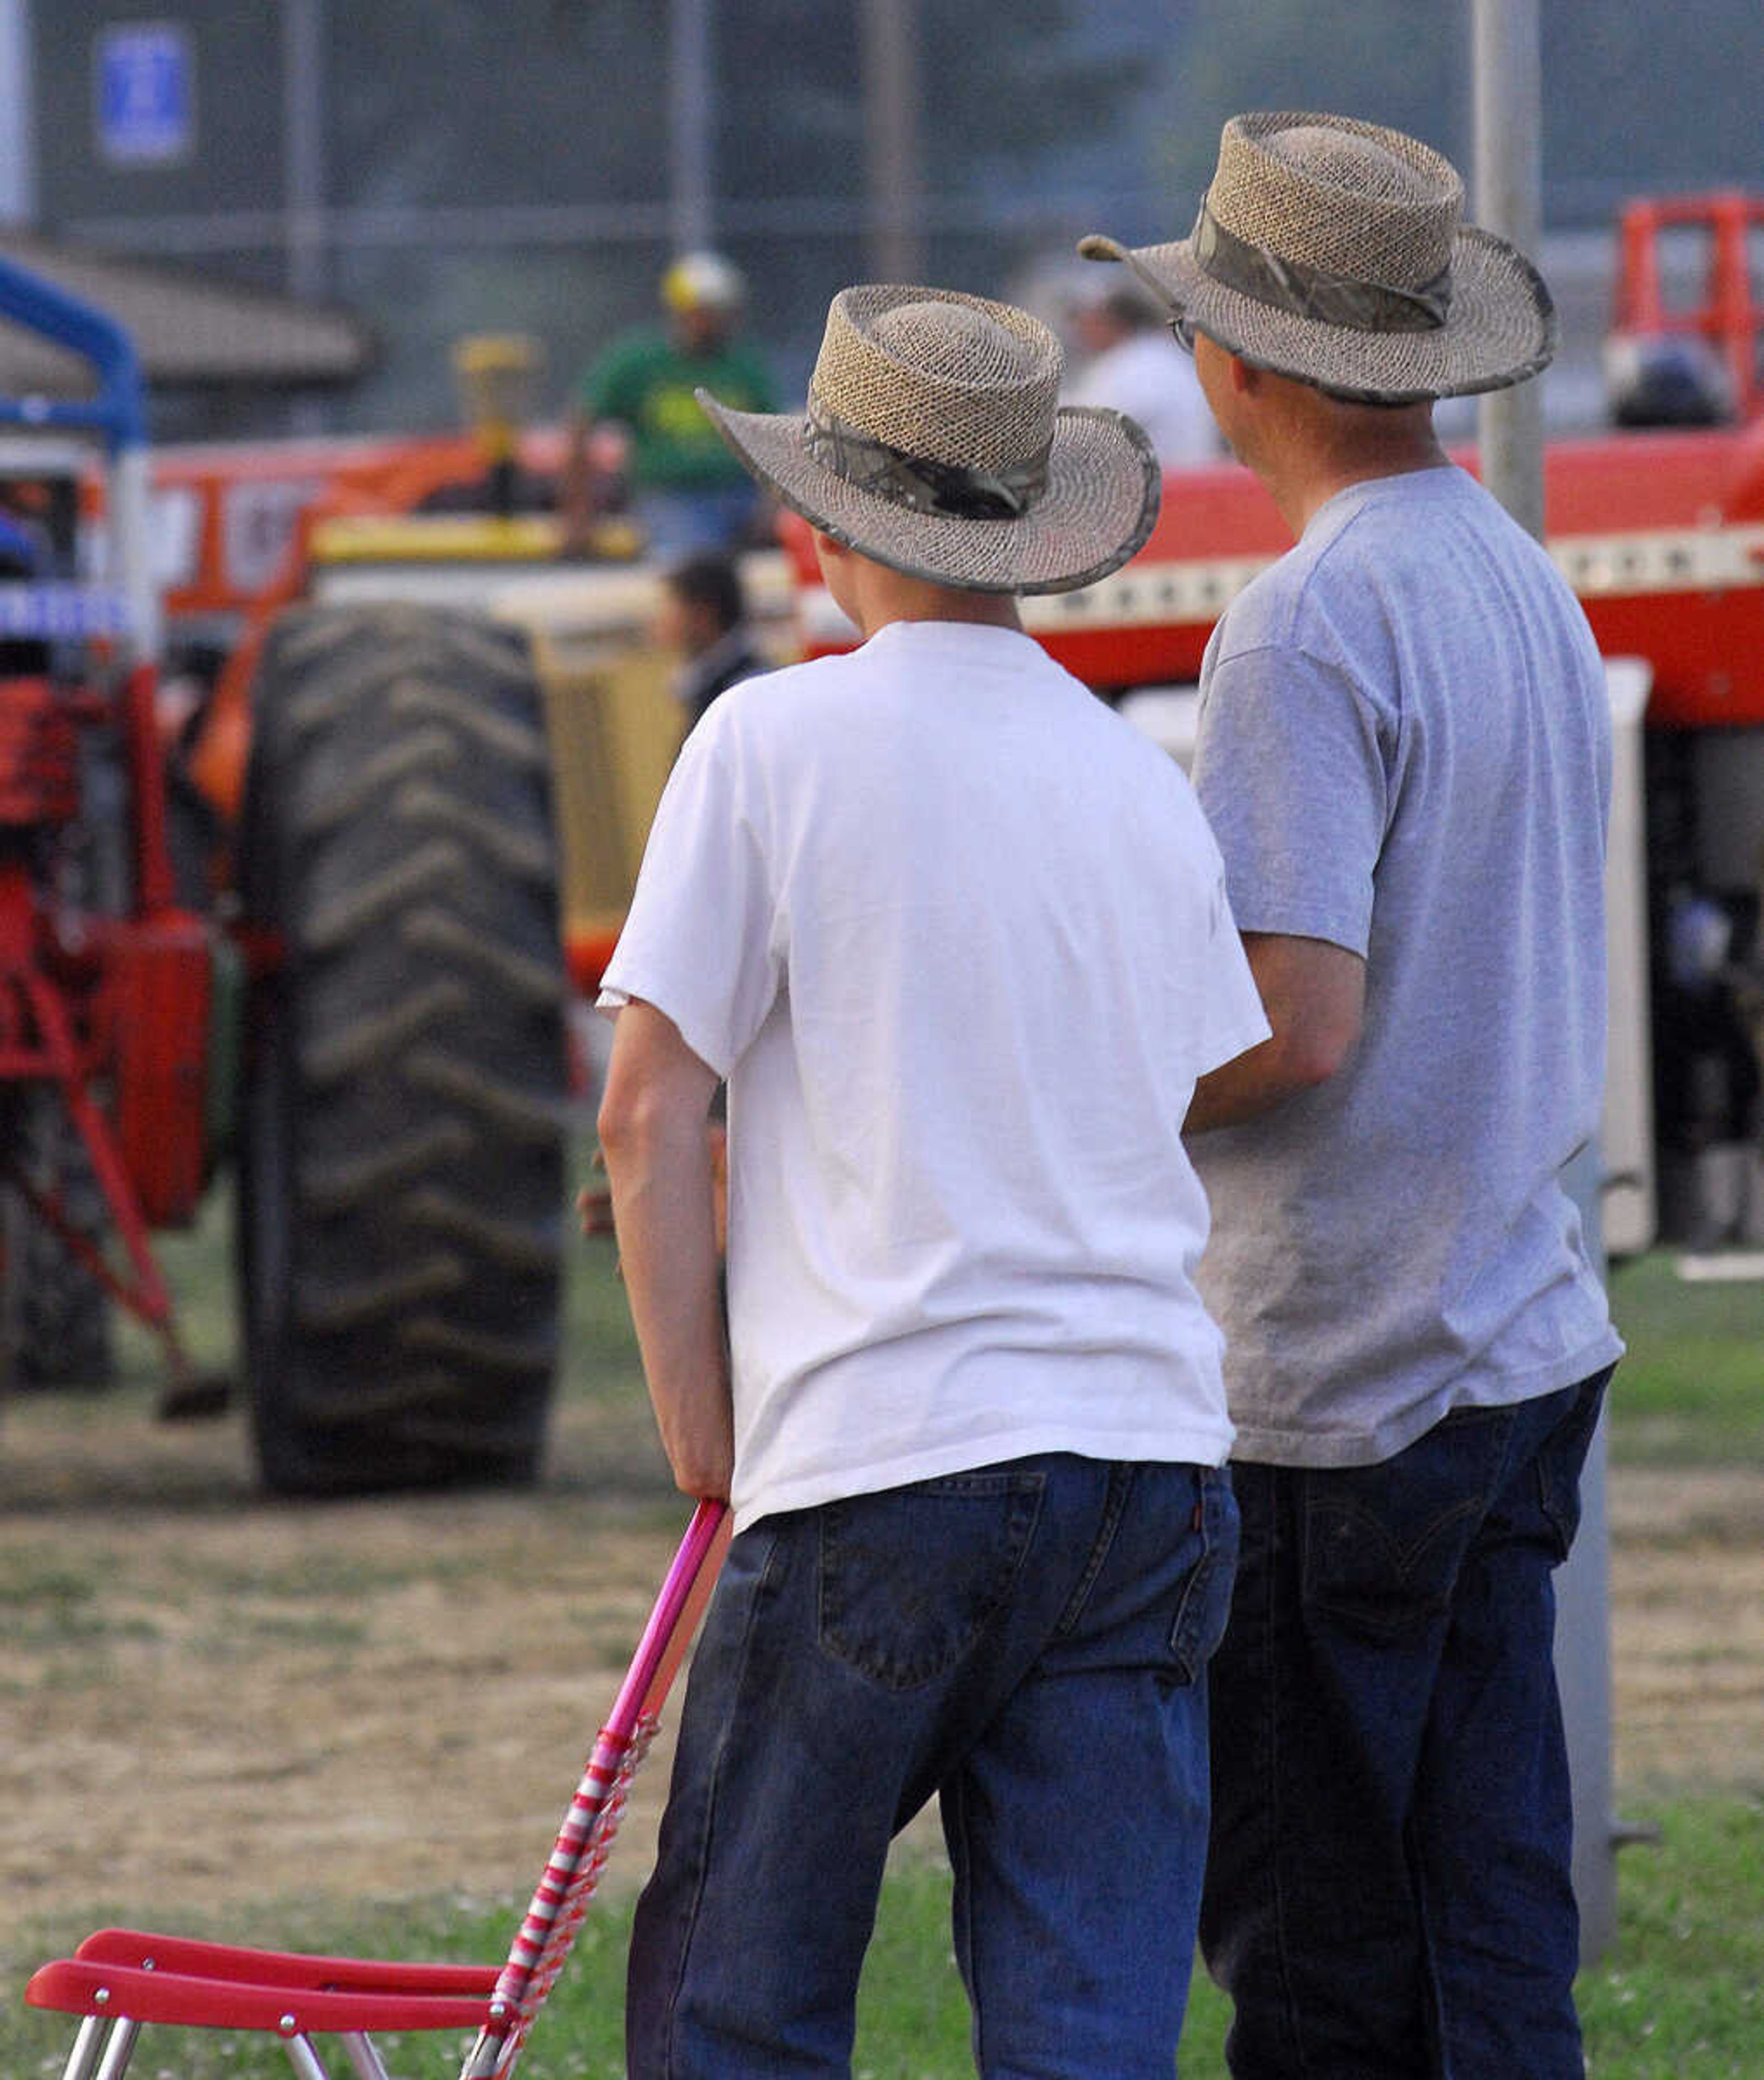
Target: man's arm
600, 409
1314, 994
658, 1160
577, 500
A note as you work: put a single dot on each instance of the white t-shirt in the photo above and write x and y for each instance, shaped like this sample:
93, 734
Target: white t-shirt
1149, 378
958, 938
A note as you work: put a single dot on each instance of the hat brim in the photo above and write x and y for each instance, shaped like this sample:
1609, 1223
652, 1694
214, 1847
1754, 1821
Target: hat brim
1500, 329
1100, 504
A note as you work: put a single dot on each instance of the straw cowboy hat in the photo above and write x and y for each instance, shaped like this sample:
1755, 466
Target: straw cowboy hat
933, 442
1333, 250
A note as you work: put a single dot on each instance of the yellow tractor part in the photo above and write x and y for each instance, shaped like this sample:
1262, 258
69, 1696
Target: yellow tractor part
612, 722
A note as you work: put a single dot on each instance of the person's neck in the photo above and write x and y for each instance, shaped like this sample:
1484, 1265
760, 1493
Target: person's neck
1303, 475
889, 596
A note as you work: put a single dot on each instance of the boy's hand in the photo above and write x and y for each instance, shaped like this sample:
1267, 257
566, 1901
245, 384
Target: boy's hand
594, 1202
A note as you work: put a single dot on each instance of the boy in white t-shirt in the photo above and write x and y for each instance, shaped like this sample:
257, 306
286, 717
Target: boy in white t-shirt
958, 940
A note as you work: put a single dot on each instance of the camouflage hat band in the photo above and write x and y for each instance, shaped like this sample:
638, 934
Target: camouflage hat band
916, 482
1311, 292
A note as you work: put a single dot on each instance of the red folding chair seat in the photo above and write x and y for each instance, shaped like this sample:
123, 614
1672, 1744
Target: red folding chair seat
120, 1979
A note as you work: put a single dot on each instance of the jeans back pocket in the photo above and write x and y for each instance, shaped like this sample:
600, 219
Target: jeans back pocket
911, 1577
1383, 1544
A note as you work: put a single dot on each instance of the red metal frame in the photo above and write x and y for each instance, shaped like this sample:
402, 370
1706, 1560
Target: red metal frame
41, 1044
87, 999
1728, 314
123, 1972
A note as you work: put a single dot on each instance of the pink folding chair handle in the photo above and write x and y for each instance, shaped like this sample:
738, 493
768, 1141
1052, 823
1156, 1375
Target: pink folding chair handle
555, 1912
685, 1590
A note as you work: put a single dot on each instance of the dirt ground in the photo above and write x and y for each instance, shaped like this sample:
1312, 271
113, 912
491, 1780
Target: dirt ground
207, 1699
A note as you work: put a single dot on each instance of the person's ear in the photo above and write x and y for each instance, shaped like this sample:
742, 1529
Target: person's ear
836, 563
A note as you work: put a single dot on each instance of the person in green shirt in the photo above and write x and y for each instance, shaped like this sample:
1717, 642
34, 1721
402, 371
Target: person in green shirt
686, 489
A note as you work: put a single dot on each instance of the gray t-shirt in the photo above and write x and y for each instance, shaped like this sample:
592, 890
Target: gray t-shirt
1405, 749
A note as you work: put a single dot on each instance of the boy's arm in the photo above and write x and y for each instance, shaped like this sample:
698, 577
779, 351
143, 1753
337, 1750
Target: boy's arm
658, 1160
1314, 994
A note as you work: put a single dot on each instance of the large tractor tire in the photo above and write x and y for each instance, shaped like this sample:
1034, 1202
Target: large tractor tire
402, 1126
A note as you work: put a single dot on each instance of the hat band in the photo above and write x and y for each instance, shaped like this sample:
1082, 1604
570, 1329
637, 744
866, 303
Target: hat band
1310, 292
917, 483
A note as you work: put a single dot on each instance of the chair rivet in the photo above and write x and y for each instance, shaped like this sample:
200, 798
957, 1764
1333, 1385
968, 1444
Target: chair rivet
102, 1997
288, 2025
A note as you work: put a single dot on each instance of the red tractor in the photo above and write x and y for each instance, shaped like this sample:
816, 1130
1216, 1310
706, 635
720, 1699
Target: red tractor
360, 1003
107, 983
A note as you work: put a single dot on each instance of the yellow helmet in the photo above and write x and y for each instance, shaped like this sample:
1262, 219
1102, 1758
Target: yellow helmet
703, 281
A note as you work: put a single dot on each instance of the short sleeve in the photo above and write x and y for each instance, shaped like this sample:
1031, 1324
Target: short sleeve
1232, 1019
698, 940
1289, 770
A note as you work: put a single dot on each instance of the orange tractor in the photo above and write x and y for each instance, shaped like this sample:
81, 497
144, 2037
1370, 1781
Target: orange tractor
401, 759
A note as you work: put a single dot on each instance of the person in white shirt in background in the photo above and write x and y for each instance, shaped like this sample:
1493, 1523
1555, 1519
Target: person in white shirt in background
1135, 366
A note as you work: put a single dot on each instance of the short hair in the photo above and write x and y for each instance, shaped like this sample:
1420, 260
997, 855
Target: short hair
709, 580
1132, 308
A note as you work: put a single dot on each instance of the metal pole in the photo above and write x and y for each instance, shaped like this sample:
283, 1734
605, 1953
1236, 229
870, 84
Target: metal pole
303, 146
889, 69
1509, 185
1508, 71
690, 117
18, 152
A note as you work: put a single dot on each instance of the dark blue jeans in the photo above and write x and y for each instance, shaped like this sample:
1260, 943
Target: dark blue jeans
1029, 1642
1389, 1895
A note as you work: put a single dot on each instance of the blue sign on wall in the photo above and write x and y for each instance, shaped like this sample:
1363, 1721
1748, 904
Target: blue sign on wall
143, 93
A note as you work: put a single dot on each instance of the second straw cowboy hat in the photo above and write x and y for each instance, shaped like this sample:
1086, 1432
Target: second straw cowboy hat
1335, 250
933, 441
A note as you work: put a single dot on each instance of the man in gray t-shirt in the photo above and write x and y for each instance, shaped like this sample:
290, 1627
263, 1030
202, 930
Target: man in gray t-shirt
1416, 773
1404, 752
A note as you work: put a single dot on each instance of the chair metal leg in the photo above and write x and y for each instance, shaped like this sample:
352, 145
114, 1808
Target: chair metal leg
88, 2041
364, 2055
119, 2049
303, 2055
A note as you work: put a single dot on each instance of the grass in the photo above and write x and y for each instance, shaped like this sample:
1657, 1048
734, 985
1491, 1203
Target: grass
599, 1351
1688, 1392
1680, 1996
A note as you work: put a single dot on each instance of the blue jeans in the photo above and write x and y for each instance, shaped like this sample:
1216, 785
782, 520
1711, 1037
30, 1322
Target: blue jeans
1030, 1642
1389, 1891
